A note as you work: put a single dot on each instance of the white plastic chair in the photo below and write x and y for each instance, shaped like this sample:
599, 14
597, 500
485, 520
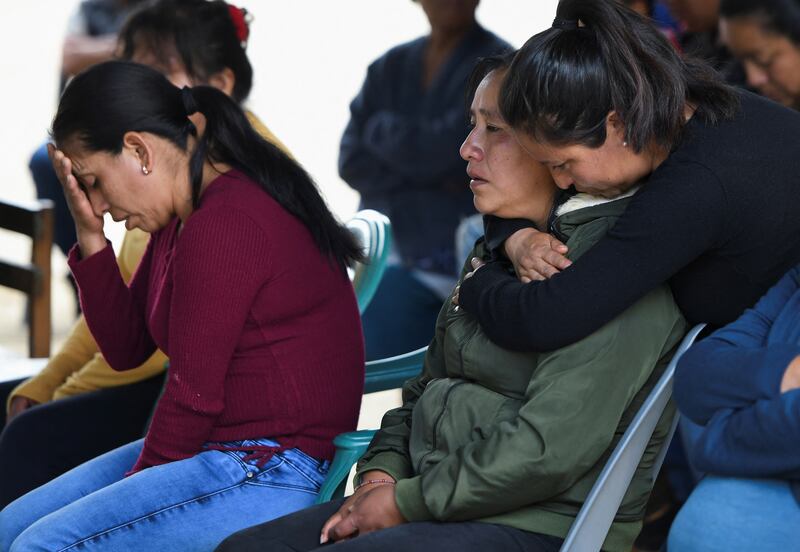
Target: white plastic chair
591, 526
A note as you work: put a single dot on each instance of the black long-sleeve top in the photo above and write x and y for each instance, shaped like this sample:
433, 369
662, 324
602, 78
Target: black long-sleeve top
719, 219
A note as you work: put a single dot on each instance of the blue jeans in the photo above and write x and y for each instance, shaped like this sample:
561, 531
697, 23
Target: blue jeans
737, 515
190, 504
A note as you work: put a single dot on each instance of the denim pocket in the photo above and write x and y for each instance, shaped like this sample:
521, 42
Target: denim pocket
307, 466
291, 470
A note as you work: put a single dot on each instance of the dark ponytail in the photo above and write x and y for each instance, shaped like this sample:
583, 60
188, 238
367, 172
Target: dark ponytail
103, 103
781, 17
230, 138
601, 56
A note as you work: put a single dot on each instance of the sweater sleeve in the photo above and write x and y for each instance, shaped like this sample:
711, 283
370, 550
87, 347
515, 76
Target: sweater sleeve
676, 217
114, 311
582, 389
759, 440
735, 367
220, 264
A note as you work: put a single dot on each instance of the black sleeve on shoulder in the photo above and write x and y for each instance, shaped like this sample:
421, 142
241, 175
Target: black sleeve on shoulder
676, 217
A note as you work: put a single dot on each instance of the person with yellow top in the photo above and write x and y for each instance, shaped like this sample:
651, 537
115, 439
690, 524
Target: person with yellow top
79, 407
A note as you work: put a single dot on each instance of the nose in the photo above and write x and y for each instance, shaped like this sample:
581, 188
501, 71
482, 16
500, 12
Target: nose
99, 204
470, 150
756, 76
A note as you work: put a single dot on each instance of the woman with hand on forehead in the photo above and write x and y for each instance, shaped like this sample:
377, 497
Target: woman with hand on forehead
244, 286
493, 449
78, 403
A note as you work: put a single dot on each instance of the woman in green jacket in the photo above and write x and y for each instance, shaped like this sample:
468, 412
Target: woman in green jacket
503, 446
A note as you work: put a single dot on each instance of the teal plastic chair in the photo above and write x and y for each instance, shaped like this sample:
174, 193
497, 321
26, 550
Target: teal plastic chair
594, 519
374, 231
387, 373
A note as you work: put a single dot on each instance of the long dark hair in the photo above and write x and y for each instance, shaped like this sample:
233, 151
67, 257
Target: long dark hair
601, 56
777, 16
103, 103
201, 32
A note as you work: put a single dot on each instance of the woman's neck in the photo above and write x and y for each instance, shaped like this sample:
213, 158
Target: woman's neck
538, 209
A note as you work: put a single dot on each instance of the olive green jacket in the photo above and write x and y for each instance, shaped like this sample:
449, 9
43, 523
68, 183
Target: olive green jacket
518, 439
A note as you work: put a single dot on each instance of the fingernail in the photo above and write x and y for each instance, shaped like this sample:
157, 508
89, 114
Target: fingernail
323, 538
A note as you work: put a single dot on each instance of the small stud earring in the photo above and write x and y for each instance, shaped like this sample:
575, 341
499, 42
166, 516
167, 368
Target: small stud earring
145, 171
624, 145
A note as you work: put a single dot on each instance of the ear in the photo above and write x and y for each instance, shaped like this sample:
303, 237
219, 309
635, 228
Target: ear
223, 80
138, 146
615, 129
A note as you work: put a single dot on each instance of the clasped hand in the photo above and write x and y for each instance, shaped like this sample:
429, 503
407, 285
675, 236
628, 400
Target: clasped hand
536, 255
370, 508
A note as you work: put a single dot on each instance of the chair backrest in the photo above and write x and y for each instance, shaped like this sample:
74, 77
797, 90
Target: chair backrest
34, 220
374, 231
591, 526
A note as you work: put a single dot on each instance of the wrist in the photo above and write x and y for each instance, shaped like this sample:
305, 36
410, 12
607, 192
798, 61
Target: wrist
91, 243
368, 482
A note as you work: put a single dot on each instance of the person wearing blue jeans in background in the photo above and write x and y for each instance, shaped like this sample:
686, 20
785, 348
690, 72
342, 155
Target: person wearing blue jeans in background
742, 386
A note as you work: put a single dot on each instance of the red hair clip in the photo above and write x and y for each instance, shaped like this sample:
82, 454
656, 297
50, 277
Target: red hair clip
239, 18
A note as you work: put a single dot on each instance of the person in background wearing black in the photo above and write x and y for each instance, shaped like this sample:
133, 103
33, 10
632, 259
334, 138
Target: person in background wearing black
400, 152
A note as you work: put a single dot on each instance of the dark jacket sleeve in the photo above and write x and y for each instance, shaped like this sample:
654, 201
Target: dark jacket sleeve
675, 218
360, 168
419, 148
735, 367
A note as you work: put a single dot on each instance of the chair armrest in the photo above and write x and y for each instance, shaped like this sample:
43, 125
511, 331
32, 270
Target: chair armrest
392, 372
349, 448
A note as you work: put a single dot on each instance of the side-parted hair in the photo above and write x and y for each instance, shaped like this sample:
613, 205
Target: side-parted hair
776, 16
601, 56
104, 102
483, 67
201, 32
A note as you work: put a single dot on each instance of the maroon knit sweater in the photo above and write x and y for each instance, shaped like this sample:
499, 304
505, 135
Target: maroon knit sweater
262, 332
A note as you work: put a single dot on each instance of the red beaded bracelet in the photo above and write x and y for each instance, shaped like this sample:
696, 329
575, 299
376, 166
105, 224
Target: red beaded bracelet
371, 481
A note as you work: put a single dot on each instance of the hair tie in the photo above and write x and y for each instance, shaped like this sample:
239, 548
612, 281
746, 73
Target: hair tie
189, 105
239, 19
565, 24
